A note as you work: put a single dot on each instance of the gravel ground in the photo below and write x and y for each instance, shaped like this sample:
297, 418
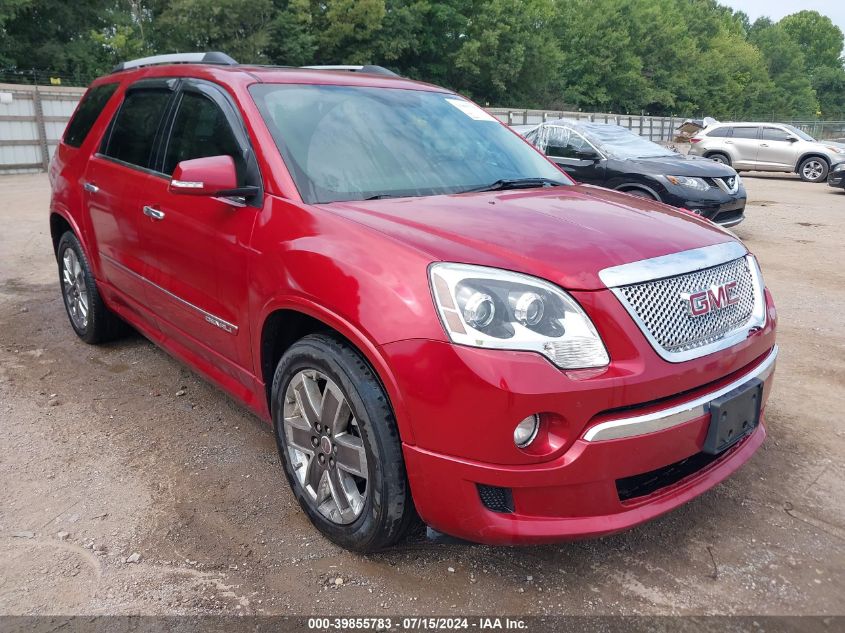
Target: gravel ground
103, 462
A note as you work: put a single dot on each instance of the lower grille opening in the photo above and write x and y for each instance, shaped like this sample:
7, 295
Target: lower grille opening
496, 499
647, 483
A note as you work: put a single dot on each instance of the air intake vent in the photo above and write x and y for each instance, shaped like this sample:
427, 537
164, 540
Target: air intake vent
496, 499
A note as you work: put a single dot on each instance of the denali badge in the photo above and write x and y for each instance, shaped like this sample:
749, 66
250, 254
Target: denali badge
714, 298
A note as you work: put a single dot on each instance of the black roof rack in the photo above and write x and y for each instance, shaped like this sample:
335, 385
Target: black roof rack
178, 58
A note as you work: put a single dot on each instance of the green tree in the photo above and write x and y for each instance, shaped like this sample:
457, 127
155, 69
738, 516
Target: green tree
240, 29
821, 43
791, 93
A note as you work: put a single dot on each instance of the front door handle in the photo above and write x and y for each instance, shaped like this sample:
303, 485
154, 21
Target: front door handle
764, 144
155, 214
90, 187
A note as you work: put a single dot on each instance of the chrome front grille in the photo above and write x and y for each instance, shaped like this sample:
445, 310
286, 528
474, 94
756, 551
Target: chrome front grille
663, 310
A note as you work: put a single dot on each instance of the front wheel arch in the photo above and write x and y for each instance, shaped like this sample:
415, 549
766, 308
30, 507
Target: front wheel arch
638, 187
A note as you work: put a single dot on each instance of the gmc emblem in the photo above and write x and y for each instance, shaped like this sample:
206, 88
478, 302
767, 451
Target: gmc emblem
714, 298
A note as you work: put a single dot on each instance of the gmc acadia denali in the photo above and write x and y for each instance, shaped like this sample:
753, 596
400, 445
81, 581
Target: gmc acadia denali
434, 318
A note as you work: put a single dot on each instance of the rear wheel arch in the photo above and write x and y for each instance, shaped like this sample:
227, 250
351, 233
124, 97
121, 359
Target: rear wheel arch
284, 326
727, 157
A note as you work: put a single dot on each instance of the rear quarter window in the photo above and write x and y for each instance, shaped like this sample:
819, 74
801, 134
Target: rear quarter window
87, 113
719, 132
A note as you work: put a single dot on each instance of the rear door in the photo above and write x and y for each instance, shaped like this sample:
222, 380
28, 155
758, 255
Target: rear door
111, 183
198, 245
745, 142
776, 151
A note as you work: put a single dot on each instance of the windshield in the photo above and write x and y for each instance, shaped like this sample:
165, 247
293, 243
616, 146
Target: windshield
618, 142
800, 133
353, 143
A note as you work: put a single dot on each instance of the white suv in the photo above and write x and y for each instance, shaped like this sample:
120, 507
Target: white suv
768, 147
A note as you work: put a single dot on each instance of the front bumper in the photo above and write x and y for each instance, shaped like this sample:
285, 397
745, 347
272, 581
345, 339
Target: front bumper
836, 178
463, 404
722, 208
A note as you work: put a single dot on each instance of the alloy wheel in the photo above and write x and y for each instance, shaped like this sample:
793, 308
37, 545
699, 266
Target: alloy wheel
325, 447
75, 289
812, 170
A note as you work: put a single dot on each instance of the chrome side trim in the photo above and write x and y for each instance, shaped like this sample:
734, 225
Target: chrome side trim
671, 265
673, 416
210, 318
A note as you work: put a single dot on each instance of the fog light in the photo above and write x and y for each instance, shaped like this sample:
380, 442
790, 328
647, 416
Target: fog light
526, 431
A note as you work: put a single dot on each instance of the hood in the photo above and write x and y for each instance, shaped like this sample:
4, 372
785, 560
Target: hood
679, 165
564, 234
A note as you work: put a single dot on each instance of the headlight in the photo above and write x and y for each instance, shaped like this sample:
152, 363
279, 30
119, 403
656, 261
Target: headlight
498, 309
839, 167
836, 150
698, 184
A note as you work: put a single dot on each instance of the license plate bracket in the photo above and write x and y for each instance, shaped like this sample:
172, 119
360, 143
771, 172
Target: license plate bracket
733, 416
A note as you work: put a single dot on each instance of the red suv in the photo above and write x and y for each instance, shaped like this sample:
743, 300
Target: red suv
433, 317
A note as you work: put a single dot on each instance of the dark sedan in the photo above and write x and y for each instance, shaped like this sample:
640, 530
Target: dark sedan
613, 157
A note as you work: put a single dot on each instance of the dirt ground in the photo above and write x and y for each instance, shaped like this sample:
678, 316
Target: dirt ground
102, 458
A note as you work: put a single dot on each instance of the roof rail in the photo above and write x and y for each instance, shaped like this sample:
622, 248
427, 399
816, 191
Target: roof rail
368, 68
178, 58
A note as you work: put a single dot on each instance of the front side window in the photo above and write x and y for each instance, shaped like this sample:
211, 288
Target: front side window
135, 126
87, 113
353, 143
775, 134
201, 129
745, 132
559, 142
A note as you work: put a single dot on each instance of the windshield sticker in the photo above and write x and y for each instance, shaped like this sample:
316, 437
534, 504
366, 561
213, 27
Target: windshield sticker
471, 110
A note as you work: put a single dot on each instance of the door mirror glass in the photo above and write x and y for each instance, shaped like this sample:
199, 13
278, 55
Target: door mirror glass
209, 176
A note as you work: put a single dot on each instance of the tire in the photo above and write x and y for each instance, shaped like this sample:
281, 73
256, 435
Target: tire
813, 169
719, 157
363, 514
89, 317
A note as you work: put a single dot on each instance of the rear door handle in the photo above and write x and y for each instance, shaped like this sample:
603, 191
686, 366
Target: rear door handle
155, 214
764, 145
90, 187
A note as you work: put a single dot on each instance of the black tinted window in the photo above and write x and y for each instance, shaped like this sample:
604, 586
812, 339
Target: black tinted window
87, 112
719, 132
201, 130
745, 132
774, 134
134, 129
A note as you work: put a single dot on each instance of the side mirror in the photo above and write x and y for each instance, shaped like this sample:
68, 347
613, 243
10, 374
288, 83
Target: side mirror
209, 176
792, 139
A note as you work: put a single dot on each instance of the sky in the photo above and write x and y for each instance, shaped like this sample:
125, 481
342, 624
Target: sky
834, 9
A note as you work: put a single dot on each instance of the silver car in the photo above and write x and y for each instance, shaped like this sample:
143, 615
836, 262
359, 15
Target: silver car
768, 147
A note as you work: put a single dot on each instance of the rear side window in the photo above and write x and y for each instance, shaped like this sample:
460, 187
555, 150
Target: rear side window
745, 132
134, 128
719, 132
774, 134
86, 114
199, 130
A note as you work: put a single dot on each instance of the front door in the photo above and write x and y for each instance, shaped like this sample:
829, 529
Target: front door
199, 245
776, 150
574, 154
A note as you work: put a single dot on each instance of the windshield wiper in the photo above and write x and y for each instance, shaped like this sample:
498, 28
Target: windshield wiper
381, 196
517, 183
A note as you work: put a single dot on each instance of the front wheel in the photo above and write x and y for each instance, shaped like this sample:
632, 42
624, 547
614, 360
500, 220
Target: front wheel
339, 444
813, 169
